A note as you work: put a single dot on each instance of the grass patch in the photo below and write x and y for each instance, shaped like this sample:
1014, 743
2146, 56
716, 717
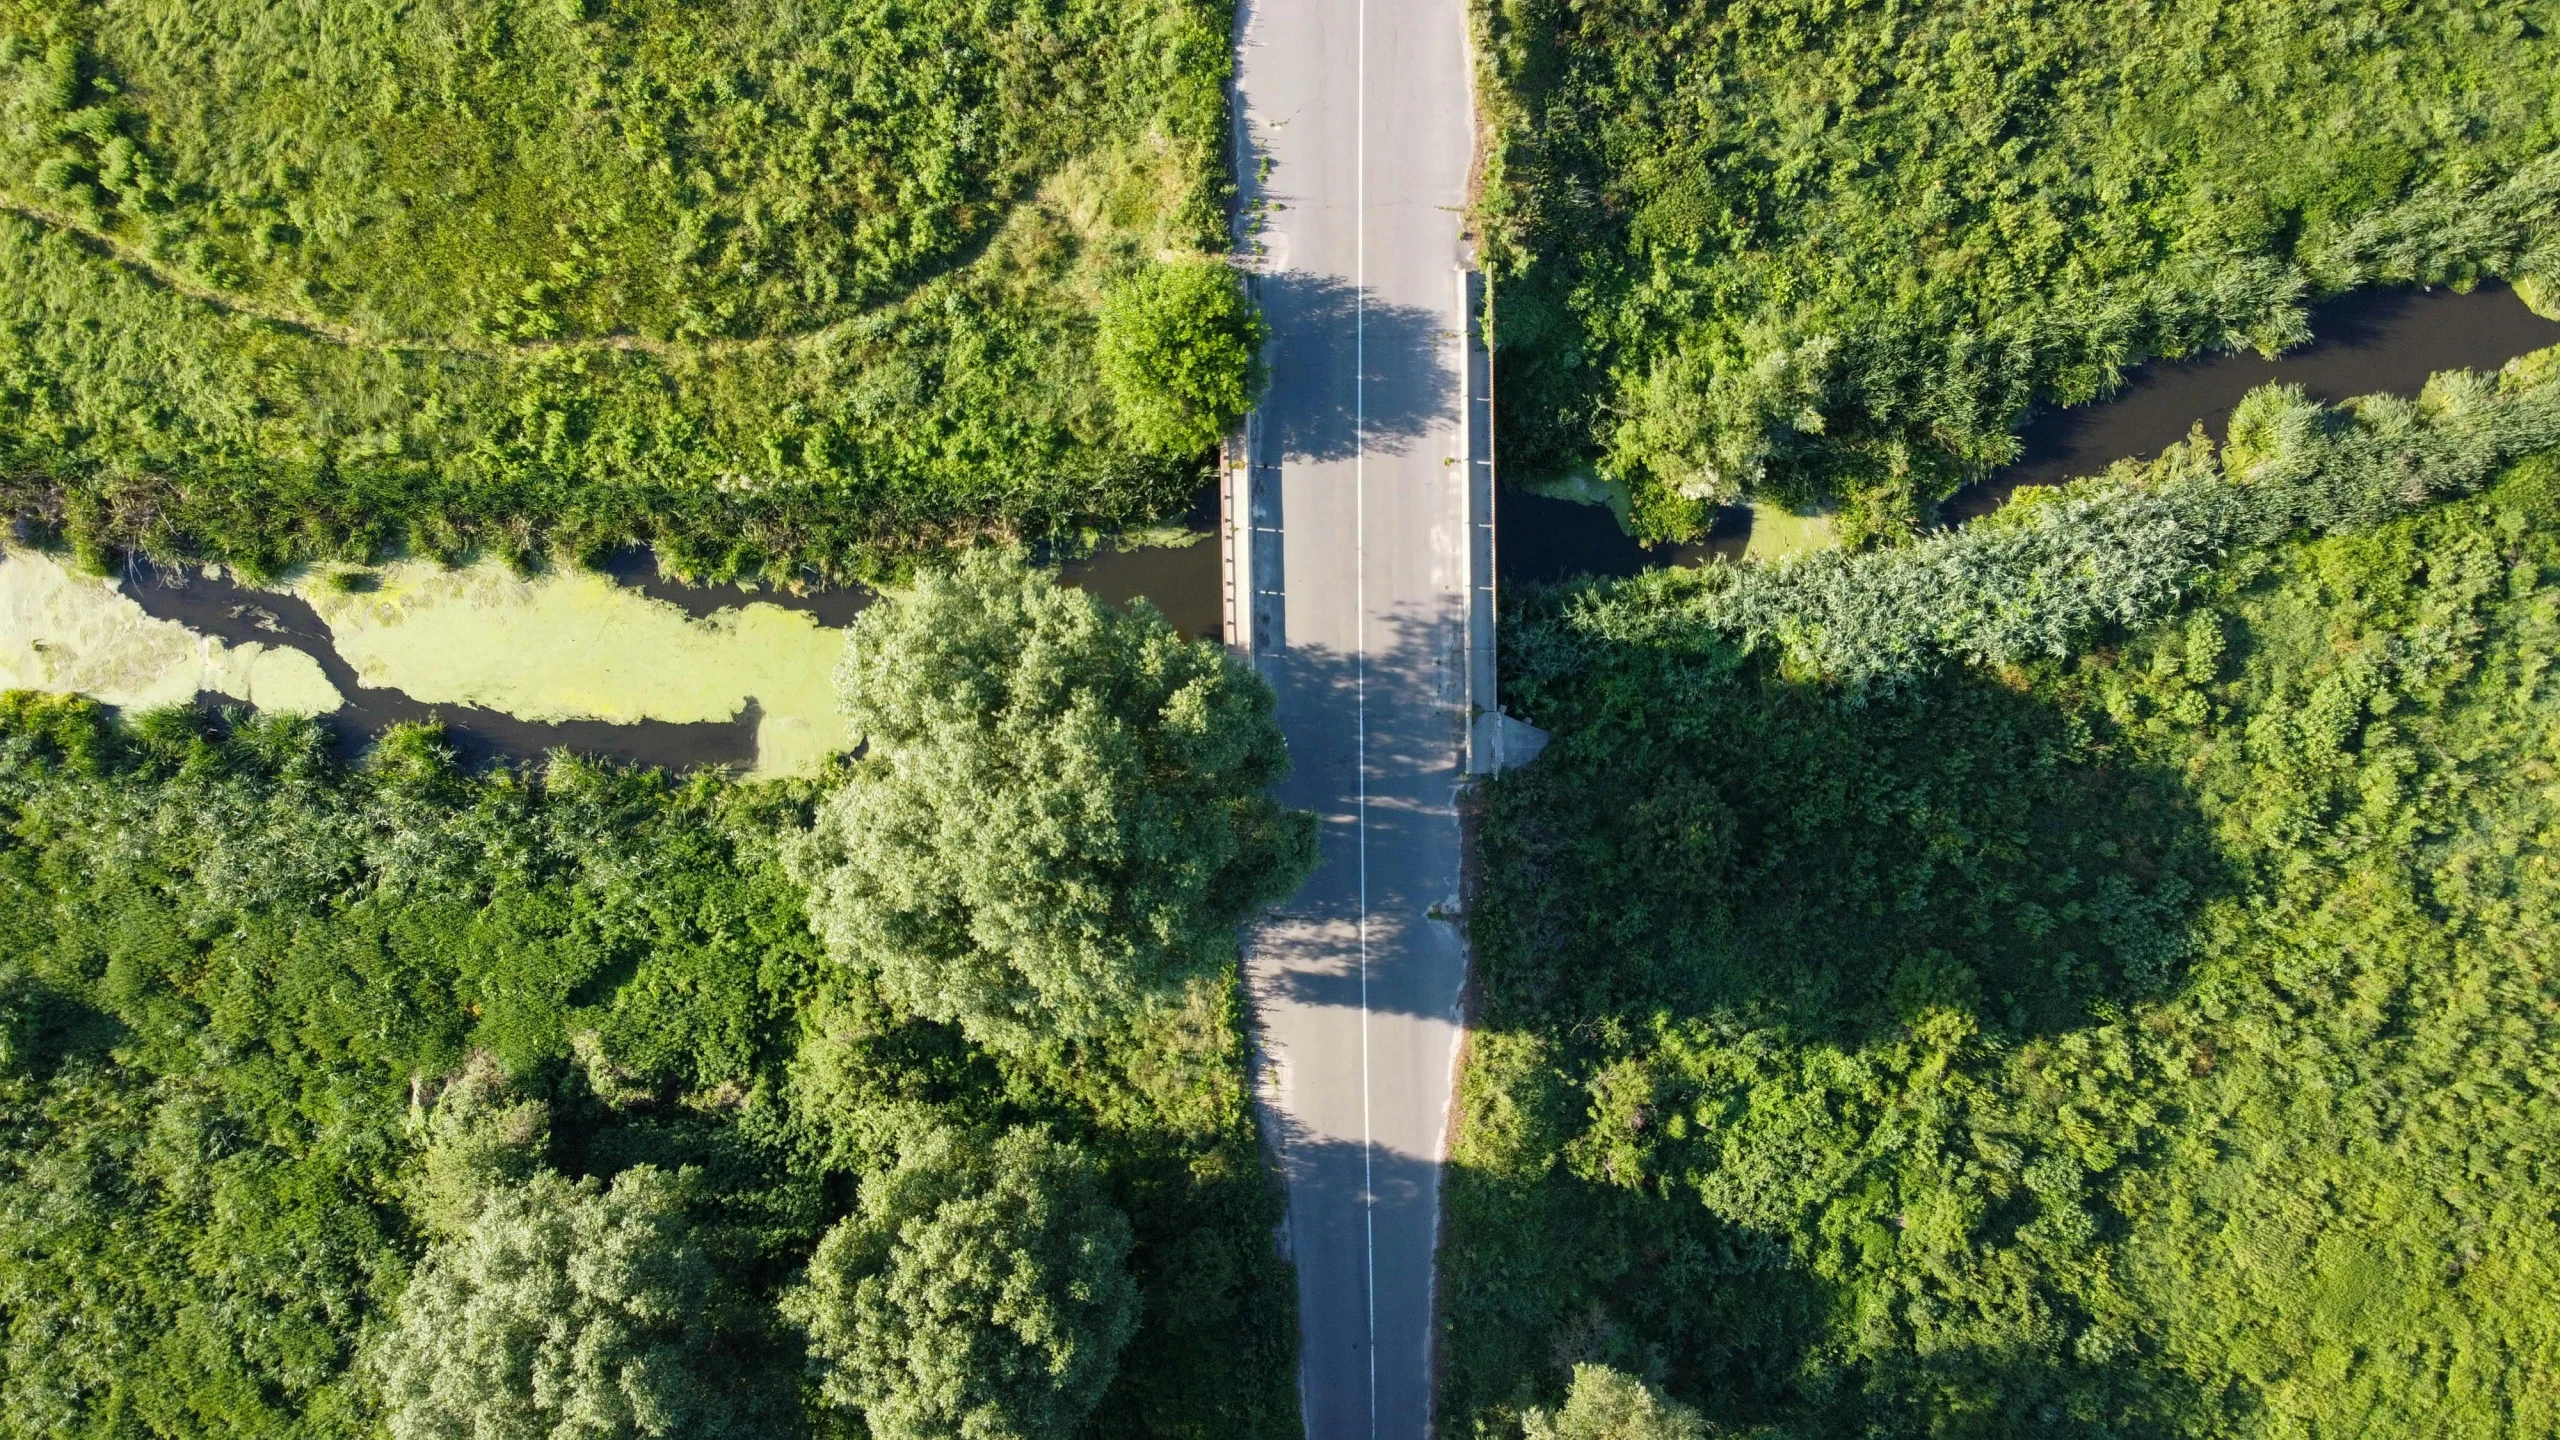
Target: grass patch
2138, 1040
780, 289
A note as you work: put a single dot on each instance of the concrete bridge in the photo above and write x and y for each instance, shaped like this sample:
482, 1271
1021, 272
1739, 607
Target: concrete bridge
1358, 544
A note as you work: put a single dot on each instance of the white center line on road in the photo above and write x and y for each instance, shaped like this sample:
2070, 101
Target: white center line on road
1362, 1112
1360, 654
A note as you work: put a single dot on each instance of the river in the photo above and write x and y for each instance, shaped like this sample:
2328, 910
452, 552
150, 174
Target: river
2369, 342
622, 662
630, 664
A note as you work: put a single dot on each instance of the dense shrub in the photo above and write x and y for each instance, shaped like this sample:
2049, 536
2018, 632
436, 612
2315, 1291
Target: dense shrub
1607, 1405
2046, 572
241, 965
980, 1292
1814, 248
2123, 1035
1180, 350
563, 1309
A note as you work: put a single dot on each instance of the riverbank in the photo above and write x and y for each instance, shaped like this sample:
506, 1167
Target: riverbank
621, 662
2373, 342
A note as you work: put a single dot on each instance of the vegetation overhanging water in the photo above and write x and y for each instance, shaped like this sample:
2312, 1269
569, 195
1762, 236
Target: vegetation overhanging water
2372, 342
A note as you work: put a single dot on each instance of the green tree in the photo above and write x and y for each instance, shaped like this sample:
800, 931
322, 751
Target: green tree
1062, 811
1179, 350
563, 1310
482, 1139
980, 1292
1608, 1405
248, 1071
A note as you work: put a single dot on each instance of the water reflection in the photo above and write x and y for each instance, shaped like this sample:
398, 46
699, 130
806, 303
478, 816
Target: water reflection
1179, 579
1542, 540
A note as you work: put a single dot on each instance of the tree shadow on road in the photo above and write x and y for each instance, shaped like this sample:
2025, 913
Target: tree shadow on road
1352, 1208
1325, 335
1397, 710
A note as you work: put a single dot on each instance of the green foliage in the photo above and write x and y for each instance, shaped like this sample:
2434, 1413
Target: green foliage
2047, 571
2133, 1037
980, 1292
1815, 248
564, 1310
1180, 350
242, 967
277, 1030
1061, 814
1607, 1405
482, 1140
775, 287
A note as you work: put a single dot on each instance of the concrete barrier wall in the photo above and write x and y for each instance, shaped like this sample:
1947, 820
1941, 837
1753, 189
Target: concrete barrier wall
1249, 544
1484, 714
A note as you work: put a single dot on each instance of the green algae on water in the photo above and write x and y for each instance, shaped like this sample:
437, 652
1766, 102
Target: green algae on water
574, 645
65, 633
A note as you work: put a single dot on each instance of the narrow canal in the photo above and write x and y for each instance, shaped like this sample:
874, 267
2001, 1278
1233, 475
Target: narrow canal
633, 665
2371, 342
624, 662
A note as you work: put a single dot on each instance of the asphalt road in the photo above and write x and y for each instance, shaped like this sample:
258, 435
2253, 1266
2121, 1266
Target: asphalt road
1354, 140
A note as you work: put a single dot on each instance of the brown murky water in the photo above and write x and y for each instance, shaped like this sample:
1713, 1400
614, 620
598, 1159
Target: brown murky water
1540, 540
1179, 580
2384, 341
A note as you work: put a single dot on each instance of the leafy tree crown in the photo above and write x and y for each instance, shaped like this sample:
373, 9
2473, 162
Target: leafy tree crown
567, 1311
1607, 1404
980, 1293
1061, 813
1178, 351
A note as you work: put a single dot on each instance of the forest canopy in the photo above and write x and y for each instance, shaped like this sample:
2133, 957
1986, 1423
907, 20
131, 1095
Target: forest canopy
1833, 252
2136, 1026
774, 287
341, 1099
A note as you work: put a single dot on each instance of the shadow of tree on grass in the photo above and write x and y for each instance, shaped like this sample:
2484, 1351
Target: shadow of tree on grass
1752, 954
1704, 838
